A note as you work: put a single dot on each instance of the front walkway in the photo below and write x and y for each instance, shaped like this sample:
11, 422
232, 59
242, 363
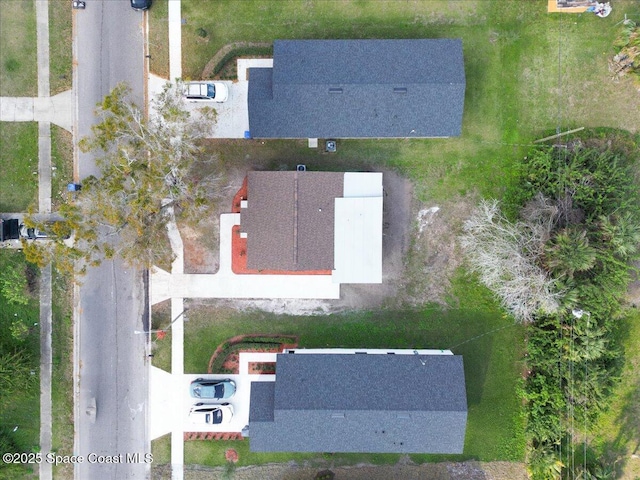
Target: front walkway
226, 284
57, 109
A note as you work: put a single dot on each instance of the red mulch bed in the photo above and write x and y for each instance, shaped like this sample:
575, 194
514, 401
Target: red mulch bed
241, 195
262, 368
232, 361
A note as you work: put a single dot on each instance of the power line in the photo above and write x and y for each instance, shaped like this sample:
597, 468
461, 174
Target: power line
482, 335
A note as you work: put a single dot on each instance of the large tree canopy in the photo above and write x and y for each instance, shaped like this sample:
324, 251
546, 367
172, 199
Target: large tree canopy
146, 170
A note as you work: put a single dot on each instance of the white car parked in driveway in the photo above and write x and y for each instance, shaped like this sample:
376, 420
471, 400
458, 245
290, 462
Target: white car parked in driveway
208, 414
206, 92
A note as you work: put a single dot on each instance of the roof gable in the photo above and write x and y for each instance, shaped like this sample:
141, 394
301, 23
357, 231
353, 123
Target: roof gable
289, 219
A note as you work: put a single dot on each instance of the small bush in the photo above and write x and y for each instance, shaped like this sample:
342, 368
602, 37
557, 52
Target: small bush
13, 285
231, 57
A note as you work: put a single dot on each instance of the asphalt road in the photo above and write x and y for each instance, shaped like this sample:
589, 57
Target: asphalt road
111, 359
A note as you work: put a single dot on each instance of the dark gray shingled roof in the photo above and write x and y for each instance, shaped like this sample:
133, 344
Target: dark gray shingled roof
289, 220
359, 89
262, 401
362, 403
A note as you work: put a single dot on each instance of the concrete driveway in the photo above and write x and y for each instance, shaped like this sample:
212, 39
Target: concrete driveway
170, 407
233, 114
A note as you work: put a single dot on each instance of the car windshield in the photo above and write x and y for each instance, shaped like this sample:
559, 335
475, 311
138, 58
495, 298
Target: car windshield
219, 391
211, 90
217, 416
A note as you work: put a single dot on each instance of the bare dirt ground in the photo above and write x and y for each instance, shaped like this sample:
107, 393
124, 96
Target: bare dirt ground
633, 294
404, 470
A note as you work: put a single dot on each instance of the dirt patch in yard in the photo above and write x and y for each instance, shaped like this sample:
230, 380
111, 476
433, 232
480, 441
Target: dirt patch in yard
434, 254
202, 242
198, 256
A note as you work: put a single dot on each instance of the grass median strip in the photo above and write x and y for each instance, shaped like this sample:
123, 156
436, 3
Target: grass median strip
60, 41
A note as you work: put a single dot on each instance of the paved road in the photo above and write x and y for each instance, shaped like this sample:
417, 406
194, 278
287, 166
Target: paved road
111, 360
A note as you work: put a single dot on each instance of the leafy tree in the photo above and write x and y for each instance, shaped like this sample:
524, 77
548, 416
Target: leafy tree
620, 234
543, 464
146, 171
577, 211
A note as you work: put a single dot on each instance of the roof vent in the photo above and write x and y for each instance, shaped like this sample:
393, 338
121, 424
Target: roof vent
331, 146
400, 90
335, 90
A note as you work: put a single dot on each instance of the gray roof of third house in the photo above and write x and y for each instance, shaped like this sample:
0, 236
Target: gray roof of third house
361, 403
359, 89
289, 220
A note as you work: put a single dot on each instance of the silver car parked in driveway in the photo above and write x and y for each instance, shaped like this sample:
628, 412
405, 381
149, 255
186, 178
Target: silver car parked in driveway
206, 92
213, 389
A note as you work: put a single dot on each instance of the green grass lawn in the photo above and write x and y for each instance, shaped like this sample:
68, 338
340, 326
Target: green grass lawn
528, 73
62, 160
492, 362
60, 55
18, 62
517, 89
159, 38
19, 408
19, 159
617, 432
62, 371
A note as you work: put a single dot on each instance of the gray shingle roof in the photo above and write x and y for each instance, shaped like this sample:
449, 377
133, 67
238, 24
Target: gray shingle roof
290, 219
359, 89
363, 403
262, 401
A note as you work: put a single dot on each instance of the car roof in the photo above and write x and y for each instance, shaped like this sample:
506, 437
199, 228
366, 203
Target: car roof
197, 88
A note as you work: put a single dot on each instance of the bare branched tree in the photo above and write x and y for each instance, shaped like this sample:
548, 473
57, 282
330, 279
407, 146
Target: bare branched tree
504, 255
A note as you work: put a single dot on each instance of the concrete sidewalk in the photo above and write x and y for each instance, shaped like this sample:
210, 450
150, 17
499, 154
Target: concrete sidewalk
57, 109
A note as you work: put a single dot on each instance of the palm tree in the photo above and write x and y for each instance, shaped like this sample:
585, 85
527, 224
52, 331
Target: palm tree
622, 234
584, 342
544, 464
569, 252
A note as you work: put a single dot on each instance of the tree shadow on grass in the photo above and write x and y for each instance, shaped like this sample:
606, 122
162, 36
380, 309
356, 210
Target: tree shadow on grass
627, 441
